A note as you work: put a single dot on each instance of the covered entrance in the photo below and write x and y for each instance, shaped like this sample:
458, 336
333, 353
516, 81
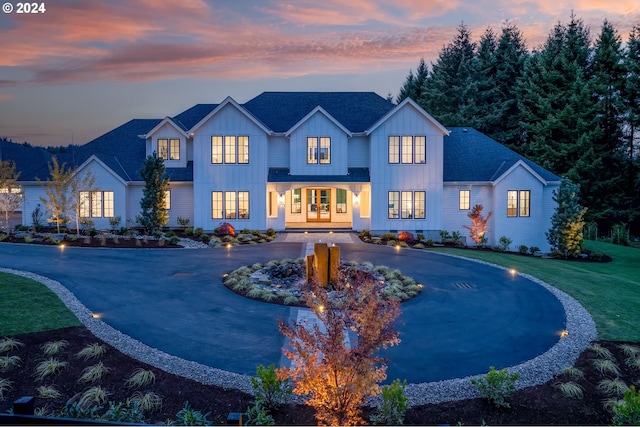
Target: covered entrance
318, 205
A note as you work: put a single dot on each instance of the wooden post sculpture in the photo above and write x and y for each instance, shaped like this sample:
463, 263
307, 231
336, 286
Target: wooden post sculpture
324, 264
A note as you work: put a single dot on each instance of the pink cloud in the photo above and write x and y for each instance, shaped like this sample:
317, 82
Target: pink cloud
6, 97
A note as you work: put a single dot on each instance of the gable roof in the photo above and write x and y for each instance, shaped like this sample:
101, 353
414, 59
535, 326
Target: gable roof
189, 118
30, 161
229, 101
420, 111
356, 111
322, 111
470, 156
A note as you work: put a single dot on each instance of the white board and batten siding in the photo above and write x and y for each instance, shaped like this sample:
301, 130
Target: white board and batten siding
529, 231
168, 131
454, 218
278, 152
387, 177
208, 177
358, 152
318, 125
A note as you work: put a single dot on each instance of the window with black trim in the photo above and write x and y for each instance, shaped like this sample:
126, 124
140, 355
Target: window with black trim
518, 203
169, 149
296, 200
464, 200
167, 199
96, 204
407, 205
341, 200
318, 150
229, 149
230, 204
407, 149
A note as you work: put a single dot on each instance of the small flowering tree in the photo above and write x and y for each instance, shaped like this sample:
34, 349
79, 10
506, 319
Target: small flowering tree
478, 226
336, 377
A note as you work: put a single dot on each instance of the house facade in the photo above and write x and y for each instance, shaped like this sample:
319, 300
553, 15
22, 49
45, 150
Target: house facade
312, 160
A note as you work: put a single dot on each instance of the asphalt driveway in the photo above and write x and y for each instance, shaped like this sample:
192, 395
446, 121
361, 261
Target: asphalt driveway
469, 316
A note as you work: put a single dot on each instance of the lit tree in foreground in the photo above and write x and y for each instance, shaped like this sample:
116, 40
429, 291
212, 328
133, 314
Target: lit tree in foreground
334, 377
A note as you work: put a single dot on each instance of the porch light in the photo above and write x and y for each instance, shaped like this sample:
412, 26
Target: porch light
281, 199
356, 198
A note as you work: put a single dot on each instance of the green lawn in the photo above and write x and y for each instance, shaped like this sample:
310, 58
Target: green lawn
29, 306
609, 291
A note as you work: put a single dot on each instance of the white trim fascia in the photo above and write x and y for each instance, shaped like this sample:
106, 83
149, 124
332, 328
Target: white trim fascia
419, 109
467, 183
228, 100
162, 123
101, 163
527, 168
324, 112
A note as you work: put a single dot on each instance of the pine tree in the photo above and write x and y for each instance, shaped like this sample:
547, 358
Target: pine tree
567, 222
153, 214
413, 85
447, 92
632, 92
485, 92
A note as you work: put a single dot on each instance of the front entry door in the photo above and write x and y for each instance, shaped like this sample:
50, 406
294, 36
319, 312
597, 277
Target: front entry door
318, 204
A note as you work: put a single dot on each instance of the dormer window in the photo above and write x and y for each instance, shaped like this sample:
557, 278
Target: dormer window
318, 150
169, 149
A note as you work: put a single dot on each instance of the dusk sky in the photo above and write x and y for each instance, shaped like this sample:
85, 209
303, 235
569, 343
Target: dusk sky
84, 67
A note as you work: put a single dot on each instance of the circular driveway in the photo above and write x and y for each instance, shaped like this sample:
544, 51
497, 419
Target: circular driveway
469, 316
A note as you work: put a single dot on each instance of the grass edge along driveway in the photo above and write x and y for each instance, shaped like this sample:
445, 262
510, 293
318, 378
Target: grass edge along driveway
609, 291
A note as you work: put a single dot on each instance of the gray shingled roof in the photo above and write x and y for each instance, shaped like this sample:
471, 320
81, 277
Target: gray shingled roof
356, 111
30, 161
189, 118
472, 156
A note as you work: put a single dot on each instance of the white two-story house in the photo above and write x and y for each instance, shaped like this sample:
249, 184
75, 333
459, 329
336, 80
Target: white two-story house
314, 160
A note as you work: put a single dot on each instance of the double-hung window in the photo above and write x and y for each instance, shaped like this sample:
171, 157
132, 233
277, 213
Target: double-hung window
96, 204
407, 149
318, 150
518, 203
169, 149
230, 204
464, 202
407, 205
229, 149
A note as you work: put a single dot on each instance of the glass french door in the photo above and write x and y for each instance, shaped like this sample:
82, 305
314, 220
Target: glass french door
318, 204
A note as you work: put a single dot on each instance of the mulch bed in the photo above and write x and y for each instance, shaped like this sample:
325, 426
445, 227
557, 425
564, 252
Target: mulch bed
542, 404
98, 242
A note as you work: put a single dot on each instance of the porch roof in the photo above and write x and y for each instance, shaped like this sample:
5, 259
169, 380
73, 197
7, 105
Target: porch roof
353, 175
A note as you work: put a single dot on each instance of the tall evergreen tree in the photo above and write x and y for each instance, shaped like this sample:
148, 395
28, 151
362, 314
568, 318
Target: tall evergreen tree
447, 91
412, 87
153, 214
632, 92
510, 56
485, 93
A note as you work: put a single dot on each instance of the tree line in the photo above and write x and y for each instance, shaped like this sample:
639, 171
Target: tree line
571, 105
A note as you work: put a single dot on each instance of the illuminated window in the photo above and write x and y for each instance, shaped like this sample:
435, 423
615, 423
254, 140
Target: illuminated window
525, 196
512, 203
174, 149
229, 149
318, 150
243, 149
312, 151
407, 205
420, 149
407, 149
394, 204
230, 205
296, 200
96, 204
341, 201
216, 204
325, 150
163, 148
243, 205
464, 200
216, 149
419, 205
394, 149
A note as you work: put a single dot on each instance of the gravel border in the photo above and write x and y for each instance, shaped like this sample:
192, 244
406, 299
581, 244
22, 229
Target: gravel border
580, 326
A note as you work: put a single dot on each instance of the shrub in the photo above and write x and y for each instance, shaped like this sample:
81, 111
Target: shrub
187, 416
420, 237
124, 412
406, 236
114, 222
49, 367
91, 351
189, 231
75, 410
444, 235
148, 402
627, 411
204, 238
418, 246
48, 392
429, 242
496, 386
388, 236
94, 396
456, 236
3, 236
174, 240
615, 387
93, 373
54, 347
365, 234
9, 362
271, 232
393, 406
596, 255
534, 249
270, 388
504, 243
5, 386
570, 389
523, 249
258, 416
183, 222
9, 344
225, 229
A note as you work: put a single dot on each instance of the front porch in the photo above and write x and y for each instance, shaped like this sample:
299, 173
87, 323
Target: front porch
318, 225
